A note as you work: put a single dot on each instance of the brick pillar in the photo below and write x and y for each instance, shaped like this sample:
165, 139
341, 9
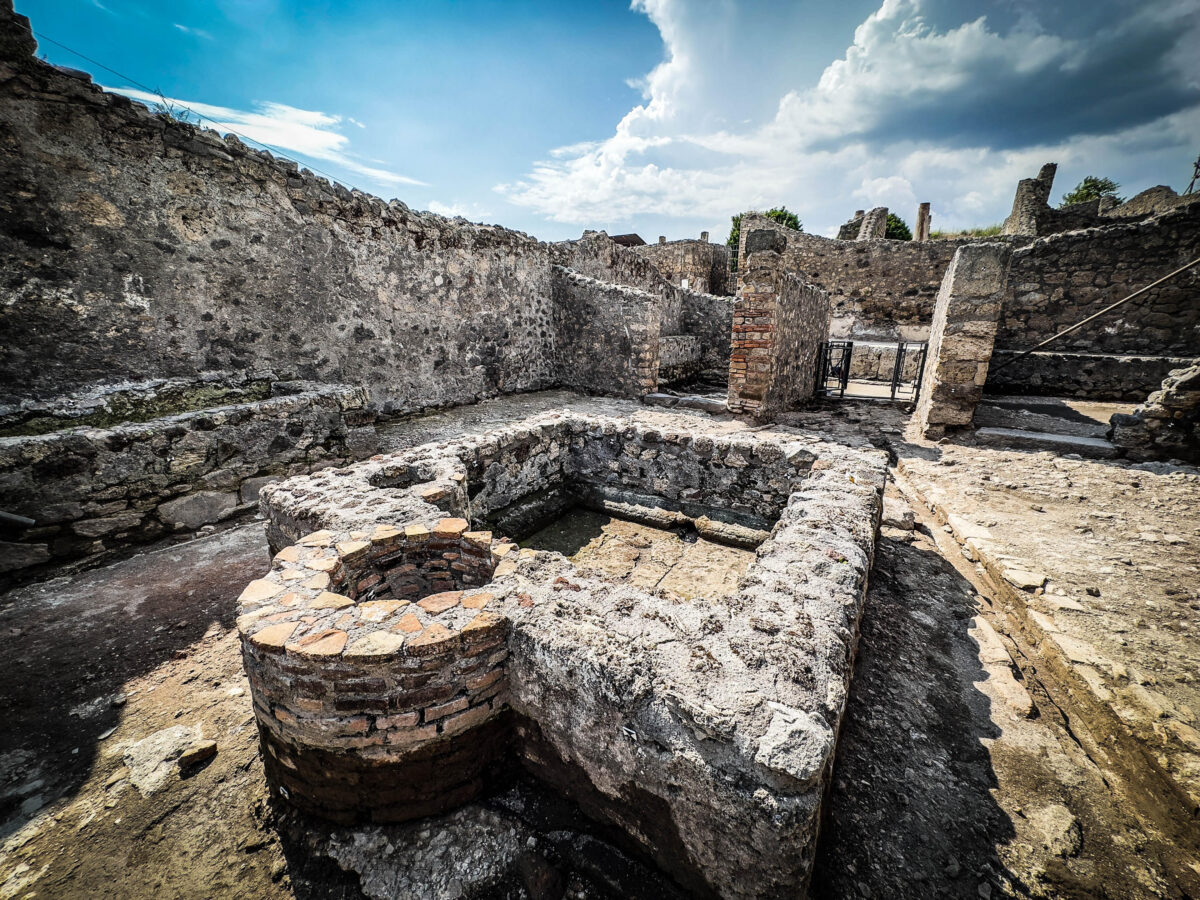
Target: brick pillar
779, 324
874, 225
923, 222
965, 319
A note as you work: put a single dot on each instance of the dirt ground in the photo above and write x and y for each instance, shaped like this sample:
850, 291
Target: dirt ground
956, 777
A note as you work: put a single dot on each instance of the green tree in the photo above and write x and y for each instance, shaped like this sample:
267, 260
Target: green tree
897, 229
1091, 188
780, 214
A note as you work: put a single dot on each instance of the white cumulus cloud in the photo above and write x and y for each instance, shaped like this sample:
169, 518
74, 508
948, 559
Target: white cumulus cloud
920, 106
303, 131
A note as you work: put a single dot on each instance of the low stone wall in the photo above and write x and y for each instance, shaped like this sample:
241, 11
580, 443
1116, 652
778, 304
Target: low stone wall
676, 723
93, 490
779, 324
105, 405
1094, 376
609, 334
1167, 425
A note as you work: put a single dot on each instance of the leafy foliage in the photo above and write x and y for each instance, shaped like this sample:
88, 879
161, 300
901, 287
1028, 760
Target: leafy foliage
1091, 188
780, 214
897, 229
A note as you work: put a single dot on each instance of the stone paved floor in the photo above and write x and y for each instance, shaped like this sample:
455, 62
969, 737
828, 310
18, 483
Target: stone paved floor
651, 558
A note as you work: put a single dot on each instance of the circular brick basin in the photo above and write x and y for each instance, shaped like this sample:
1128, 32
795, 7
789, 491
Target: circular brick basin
377, 669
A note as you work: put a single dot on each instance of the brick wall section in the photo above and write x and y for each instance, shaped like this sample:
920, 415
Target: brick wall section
612, 332
962, 338
779, 324
92, 490
377, 670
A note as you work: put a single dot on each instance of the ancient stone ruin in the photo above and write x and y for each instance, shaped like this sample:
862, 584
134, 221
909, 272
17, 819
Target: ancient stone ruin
394, 555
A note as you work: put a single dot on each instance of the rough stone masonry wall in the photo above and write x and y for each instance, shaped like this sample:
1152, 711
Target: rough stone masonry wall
612, 332
92, 490
879, 290
962, 338
142, 247
1060, 280
676, 723
1167, 425
779, 324
704, 265
1095, 376
709, 319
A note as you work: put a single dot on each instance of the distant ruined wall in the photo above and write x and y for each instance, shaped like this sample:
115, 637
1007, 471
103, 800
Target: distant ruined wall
1033, 216
879, 289
612, 332
141, 247
703, 265
1060, 280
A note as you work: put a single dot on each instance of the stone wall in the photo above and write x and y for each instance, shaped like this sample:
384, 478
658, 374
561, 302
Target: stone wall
962, 338
877, 362
1033, 216
1167, 424
709, 319
702, 265
879, 289
612, 333
679, 358
143, 247
779, 325
675, 723
874, 225
1060, 280
93, 490
1095, 376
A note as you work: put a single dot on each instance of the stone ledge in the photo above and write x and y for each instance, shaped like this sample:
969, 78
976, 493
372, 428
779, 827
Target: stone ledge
665, 718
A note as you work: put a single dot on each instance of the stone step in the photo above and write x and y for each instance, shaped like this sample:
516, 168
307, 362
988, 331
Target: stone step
1019, 439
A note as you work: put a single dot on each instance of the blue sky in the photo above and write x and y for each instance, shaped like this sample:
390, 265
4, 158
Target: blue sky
668, 116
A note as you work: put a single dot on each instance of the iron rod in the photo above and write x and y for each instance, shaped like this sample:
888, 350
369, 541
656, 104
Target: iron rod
1106, 309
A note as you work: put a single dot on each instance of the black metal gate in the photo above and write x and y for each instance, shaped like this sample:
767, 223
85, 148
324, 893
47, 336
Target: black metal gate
837, 379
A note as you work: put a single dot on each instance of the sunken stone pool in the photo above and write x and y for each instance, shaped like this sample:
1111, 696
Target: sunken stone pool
404, 654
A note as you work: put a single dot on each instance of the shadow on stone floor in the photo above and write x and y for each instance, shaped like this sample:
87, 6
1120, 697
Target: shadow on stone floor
73, 642
911, 812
